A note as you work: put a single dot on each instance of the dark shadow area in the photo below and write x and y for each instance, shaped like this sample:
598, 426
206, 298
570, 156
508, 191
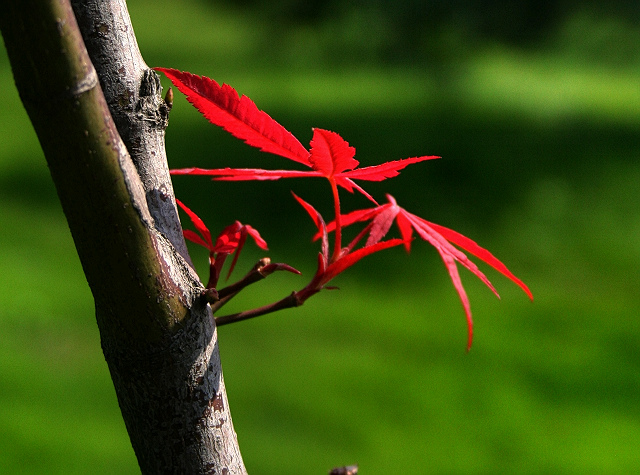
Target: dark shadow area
418, 30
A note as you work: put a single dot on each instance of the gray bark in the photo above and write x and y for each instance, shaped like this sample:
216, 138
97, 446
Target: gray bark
158, 336
133, 93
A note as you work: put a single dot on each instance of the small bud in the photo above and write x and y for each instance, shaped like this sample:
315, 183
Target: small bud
210, 295
261, 264
168, 98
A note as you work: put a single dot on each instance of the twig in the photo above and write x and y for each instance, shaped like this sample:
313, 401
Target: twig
289, 301
263, 268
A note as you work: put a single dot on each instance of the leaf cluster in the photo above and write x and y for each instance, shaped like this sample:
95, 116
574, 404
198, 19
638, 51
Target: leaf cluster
329, 157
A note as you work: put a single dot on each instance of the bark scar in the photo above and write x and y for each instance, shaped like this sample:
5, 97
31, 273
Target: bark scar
150, 106
84, 84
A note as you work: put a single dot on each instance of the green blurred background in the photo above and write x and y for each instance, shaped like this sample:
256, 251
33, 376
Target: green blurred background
536, 111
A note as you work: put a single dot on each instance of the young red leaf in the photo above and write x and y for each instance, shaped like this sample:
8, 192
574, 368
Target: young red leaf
194, 237
199, 225
451, 266
440, 237
245, 174
229, 238
255, 235
385, 170
331, 156
381, 224
406, 230
311, 211
330, 153
481, 253
354, 217
366, 230
350, 259
350, 185
319, 222
243, 238
426, 232
246, 230
233, 237
259, 174
322, 168
239, 116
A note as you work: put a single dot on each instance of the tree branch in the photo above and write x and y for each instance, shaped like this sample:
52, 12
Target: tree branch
133, 93
261, 270
158, 337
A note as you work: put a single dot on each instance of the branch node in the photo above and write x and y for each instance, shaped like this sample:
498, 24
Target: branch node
260, 266
150, 107
211, 295
88, 82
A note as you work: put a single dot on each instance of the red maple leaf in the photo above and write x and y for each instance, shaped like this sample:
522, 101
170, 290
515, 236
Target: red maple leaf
382, 217
330, 155
330, 158
330, 267
239, 116
230, 240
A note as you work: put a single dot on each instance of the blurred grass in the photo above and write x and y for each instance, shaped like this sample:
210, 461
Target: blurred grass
540, 165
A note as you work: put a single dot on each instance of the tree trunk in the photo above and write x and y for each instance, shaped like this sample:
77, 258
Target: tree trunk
158, 335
